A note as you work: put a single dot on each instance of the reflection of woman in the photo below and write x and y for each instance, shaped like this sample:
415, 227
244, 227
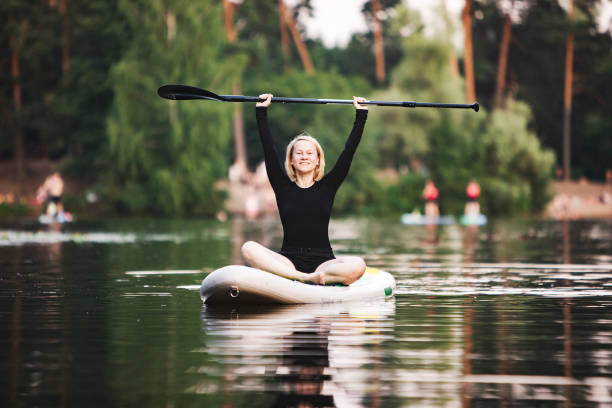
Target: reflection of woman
305, 197
306, 361
430, 193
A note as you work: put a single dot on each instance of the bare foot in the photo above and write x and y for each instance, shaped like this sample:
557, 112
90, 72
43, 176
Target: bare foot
317, 278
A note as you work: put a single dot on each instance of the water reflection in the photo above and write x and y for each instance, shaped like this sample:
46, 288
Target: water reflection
509, 314
304, 355
31, 357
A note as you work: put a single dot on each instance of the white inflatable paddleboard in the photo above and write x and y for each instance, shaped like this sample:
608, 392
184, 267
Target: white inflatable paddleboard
479, 219
60, 218
418, 219
242, 284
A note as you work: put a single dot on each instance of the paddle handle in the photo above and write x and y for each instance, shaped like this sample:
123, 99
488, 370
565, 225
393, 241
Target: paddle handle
405, 104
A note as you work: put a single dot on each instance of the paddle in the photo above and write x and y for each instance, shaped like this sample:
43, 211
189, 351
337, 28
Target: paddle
185, 92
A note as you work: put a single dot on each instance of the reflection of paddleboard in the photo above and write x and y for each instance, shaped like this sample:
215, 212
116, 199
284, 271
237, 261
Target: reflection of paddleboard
242, 284
479, 219
418, 219
273, 315
53, 219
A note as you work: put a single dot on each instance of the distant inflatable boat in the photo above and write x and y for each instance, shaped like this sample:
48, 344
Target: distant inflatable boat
237, 284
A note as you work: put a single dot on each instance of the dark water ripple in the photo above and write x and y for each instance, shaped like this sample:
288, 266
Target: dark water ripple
516, 313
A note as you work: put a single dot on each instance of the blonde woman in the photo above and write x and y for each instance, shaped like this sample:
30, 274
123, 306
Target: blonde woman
305, 195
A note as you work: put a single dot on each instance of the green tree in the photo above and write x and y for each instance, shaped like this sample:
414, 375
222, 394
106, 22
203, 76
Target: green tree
167, 155
453, 146
28, 76
63, 106
539, 40
515, 168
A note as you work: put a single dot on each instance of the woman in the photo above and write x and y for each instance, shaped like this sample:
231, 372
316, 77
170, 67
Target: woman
305, 197
430, 193
52, 189
472, 207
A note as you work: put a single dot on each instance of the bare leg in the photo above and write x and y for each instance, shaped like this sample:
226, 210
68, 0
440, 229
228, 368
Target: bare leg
262, 258
431, 209
472, 209
344, 269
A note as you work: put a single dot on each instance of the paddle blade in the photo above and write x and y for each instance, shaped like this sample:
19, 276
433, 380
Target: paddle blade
184, 92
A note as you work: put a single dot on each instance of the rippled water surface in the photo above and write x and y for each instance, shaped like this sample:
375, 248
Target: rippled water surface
107, 313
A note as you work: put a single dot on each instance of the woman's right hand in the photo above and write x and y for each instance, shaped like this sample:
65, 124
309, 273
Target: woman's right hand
266, 102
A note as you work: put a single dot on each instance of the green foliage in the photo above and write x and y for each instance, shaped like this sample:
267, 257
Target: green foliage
405, 195
167, 155
453, 146
18, 209
516, 169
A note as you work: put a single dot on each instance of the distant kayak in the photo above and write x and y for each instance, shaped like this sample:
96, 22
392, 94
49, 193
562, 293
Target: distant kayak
59, 218
236, 284
418, 219
479, 219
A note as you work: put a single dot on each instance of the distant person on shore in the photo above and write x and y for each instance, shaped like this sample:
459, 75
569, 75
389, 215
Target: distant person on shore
472, 206
430, 193
51, 190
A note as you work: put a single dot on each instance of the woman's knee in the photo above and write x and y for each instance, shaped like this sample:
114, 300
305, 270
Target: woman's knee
248, 249
355, 267
360, 265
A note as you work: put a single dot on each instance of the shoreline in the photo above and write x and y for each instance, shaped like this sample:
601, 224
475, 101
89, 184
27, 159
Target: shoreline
570, 200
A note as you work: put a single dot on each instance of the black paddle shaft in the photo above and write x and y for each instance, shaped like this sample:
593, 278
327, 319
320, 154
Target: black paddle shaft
185, 92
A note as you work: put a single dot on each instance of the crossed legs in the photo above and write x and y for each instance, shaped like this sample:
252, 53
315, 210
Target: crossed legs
344, 269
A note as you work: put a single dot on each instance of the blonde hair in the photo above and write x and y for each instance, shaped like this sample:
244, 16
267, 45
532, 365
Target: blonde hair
319, 171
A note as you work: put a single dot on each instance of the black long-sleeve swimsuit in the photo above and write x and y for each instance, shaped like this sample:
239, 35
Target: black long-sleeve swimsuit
305, 212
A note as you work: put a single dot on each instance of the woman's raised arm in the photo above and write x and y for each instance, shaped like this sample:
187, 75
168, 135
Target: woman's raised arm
273, 166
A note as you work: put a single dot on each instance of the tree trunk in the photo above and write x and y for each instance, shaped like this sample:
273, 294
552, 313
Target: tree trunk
284, 34
453, 61
567, 100
454, 65
63, 9
240, 160
239, 139
468, 57
297, 38
18, 154
379, 45
502, 63
228, 20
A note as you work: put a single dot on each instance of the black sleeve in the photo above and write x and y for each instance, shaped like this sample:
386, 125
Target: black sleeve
340, 170
274, 169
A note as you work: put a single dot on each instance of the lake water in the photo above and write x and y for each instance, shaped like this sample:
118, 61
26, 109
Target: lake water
483, 317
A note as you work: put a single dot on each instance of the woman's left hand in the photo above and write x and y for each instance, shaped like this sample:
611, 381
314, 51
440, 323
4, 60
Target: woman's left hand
356, 103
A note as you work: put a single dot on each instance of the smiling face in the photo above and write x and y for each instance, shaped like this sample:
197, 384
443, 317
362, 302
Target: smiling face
304, 158
304, 155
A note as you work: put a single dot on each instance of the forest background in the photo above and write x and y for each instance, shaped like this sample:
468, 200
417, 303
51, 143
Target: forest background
78, 83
